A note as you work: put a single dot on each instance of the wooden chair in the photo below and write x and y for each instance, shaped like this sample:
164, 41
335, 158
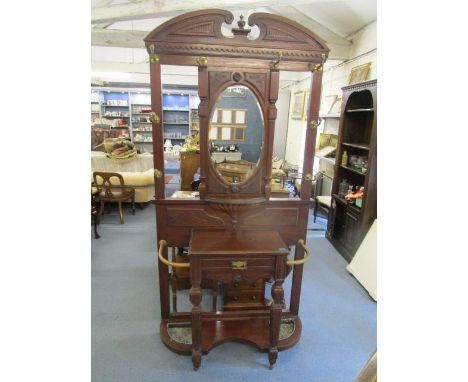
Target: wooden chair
320, 201
111, 193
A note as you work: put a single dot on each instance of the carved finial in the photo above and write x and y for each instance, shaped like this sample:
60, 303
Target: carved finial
241, 30
241, 22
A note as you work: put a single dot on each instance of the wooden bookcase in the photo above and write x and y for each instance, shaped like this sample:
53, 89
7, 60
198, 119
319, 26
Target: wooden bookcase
348, 223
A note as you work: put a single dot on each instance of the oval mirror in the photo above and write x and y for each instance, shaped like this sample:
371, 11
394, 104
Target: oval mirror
236, 134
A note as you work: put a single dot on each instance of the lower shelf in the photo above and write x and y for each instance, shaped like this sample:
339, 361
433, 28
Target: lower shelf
176, 334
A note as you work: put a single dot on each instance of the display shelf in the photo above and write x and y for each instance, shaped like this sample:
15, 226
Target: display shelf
334, 115
360, 110
355, 170
348, 224
326, 159
356, 145
141, 113
170, 109
142, 131
343, 201
176, 123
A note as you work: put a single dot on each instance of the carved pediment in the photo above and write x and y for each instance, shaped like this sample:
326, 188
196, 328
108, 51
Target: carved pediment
199, 33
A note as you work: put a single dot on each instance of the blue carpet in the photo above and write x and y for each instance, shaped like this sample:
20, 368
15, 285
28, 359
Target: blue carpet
339, 318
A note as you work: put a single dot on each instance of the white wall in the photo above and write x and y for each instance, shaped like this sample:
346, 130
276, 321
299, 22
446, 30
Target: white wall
364, 49
281, 126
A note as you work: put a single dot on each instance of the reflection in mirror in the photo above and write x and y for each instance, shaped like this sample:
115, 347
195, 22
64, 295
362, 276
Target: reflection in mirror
236, 134
180, 124
290, 134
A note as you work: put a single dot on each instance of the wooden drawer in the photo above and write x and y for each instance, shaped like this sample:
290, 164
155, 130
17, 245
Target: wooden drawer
254, 285
238, 264
243, 296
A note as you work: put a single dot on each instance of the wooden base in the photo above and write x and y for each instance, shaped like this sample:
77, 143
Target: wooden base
252, 331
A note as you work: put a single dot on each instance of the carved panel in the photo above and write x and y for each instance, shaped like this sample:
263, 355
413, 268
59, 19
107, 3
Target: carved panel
258, 80
217, 79
278, 34
203, 29
274, 216
183, 217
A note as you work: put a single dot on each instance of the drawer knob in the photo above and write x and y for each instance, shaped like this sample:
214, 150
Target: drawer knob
253, 297
235, 298
236, 285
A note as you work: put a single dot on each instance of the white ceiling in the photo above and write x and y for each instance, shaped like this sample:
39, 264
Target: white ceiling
118, 26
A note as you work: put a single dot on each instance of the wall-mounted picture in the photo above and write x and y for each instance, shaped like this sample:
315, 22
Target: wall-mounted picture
359, 73
298, 105
233, 91
327, 104
336, 107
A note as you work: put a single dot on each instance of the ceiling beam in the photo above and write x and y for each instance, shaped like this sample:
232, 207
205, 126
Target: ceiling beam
294, 13
152, 9
134, 39
118, 38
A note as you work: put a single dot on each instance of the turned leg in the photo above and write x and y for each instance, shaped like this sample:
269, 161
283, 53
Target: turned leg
195, 299
96, 235
121, 212
277, 293
315, 209
174, 284
101, 210
214, 297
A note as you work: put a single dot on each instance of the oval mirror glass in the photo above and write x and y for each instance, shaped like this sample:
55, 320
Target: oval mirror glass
236, 134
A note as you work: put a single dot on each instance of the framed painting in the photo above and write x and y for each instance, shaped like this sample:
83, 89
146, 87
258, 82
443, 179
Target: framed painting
359, 73
298, 105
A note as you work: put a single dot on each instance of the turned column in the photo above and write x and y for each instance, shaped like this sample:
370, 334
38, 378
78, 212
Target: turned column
195, 299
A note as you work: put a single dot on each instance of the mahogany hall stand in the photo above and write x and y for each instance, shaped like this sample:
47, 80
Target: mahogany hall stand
236, 233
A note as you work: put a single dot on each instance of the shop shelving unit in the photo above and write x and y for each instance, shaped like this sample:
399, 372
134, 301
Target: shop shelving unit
348, 223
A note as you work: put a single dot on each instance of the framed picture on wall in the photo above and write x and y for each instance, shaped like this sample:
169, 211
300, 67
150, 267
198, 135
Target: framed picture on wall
359, 73
327, 103
298, 105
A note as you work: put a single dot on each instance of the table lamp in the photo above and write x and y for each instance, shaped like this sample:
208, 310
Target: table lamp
168, 145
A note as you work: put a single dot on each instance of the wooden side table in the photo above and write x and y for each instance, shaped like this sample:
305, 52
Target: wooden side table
236, 256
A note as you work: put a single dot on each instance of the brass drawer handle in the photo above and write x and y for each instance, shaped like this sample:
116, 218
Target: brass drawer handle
162, 245
239, 264
303, 260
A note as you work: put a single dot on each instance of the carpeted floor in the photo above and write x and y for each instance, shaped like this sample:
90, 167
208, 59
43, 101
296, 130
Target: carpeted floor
339, 318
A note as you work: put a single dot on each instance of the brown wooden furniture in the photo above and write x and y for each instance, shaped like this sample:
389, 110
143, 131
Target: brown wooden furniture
348, 223
94, 216
189, 164
234, 257
234, 172
234, 232
320, 201
109, 192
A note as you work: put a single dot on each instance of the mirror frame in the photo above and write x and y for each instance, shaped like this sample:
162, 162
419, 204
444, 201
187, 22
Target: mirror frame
262, 148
